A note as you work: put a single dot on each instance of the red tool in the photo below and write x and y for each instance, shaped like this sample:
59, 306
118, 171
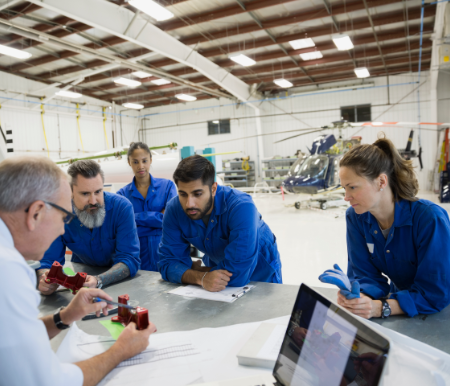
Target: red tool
57, 275
138, 315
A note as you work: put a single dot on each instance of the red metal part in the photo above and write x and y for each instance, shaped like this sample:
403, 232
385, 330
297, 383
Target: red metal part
57, 275
125, 315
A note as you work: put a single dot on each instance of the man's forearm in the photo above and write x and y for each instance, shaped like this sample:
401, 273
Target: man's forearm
192, 276
117, 272
96, 368
50, 325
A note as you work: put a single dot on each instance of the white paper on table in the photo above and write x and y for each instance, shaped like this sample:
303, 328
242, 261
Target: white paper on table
271, 348
217, 359
228, 295
410, 362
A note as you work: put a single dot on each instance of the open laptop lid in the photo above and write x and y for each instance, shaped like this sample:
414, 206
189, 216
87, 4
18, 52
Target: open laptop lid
327, 346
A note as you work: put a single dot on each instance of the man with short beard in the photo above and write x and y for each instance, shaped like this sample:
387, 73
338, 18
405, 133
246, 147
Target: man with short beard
221, 222
104, 234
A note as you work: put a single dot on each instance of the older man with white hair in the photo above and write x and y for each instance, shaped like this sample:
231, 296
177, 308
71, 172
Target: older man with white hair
35, 204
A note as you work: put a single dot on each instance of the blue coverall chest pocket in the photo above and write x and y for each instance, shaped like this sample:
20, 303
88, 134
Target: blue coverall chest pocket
196, 242
219, 245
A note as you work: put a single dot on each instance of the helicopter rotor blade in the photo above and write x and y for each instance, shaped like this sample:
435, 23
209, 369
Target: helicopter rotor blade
298, 135
261, 135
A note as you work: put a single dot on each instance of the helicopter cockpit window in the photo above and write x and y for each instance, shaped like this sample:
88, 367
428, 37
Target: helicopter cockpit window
295, 168
314, 167
334, 175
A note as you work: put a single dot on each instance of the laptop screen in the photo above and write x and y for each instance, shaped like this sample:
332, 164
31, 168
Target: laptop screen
325, 346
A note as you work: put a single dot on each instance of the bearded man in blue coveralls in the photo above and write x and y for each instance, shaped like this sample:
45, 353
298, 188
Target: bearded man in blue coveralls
221, 222
103, 234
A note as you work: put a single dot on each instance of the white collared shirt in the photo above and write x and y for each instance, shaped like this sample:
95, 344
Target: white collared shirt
26, 357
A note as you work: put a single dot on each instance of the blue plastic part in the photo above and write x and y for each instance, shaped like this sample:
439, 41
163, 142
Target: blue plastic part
340, 279
187, 151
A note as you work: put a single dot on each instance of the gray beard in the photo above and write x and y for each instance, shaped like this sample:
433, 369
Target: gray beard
91, 220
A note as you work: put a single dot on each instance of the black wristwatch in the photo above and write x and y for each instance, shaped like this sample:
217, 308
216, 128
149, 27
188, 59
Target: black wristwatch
386, 308
57, 319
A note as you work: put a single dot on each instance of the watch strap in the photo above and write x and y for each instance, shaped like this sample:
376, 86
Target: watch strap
57, 319
99, 282
385, 306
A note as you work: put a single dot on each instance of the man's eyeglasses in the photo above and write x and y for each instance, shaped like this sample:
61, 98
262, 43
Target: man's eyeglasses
67, 218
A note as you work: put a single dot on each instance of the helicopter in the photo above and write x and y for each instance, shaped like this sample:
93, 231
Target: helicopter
318, 172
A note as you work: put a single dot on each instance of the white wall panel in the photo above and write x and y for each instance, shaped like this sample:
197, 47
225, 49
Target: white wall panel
186, 124
168, 123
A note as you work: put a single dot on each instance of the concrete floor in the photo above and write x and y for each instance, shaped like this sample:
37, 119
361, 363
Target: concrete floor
309, 241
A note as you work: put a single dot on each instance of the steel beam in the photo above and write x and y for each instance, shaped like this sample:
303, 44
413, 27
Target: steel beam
294, 18
5, 4
114, 20
210, 15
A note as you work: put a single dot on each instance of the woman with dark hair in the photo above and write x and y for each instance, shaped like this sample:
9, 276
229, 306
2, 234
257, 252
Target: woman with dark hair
149, 196
391, 236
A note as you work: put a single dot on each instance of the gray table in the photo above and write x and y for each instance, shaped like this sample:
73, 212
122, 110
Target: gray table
265, 301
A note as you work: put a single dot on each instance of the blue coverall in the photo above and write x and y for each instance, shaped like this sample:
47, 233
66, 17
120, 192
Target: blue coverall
236, 239
116, 241
415, 256
149, 218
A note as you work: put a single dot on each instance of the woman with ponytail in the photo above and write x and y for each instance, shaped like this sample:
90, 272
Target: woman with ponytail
149, 196
391, 236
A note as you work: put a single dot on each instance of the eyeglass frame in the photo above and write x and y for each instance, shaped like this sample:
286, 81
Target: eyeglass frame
67, 219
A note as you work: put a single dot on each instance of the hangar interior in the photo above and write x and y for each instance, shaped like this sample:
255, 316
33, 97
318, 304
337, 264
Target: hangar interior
254, 83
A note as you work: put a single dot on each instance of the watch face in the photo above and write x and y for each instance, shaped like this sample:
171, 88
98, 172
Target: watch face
386, 312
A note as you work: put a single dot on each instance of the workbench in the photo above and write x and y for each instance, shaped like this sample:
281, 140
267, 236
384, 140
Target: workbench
266, 301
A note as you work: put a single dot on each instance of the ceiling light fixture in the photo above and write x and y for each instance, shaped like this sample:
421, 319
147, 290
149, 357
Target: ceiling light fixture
152, 9
311, 55
302, 43
362, 72
283, 83
185, 97
160, 82
69, 94
133, 106
127, 82
216, 122
242, 60
141, 74
14, 53
343, 42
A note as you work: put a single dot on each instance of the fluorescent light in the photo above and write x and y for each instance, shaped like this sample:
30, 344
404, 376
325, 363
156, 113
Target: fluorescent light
133, 106
141, 74
14, 53
283, 83
185, 97
362, 72
68, 94
217, 122
152, 9
242, 60
311, 55
127, 82
302, 43
160, 82
343, 42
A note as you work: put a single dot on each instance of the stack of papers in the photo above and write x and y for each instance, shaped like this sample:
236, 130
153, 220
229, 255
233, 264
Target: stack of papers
228, 295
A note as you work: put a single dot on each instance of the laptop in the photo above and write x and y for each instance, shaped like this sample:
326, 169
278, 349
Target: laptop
324, 345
